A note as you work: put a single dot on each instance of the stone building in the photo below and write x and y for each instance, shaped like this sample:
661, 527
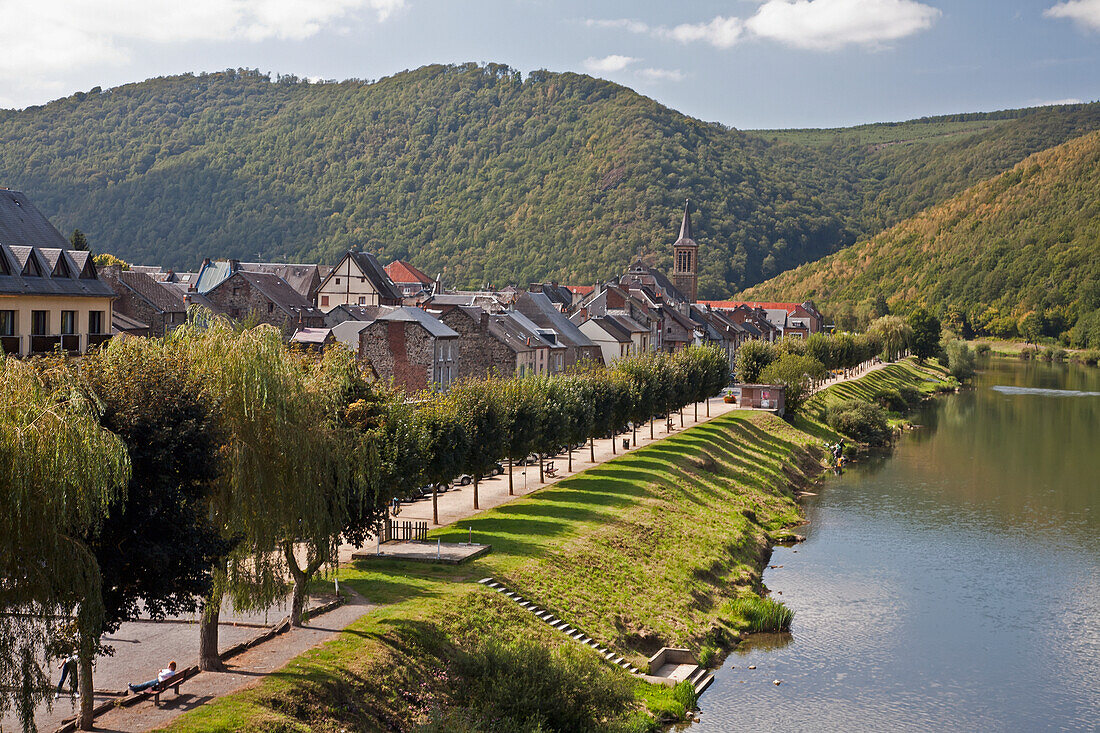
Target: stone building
266, 299
577, 347
497, 344
411, 347
160, 306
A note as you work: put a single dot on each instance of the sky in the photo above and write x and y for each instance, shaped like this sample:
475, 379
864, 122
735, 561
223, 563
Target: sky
746, 63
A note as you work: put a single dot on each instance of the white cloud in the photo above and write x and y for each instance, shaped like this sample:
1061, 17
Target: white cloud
662, 74
634, 26
831, 24
1085, 12
823, 25
721, 32
42, 38
608, 64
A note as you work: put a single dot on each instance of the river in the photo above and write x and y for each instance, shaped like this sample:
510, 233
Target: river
953, 584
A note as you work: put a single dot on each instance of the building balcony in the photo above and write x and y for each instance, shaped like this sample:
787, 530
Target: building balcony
95, 339
43, 344
12, 345
70, 342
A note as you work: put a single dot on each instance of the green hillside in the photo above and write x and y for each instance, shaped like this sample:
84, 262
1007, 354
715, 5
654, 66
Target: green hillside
1025, 240
475, 171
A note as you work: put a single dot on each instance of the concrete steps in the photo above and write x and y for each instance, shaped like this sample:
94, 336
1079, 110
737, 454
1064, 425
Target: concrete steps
700, 680
559, 625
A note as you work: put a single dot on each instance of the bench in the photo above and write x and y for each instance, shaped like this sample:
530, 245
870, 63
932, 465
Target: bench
172, 683
549, 470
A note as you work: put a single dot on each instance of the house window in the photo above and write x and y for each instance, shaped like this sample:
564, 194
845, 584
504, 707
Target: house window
95, 322
324, 300
40, 323
236, 290
337, 281
68, 322
7, 323
362, 300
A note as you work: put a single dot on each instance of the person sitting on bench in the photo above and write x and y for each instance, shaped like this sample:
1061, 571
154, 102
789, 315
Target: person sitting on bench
164, 674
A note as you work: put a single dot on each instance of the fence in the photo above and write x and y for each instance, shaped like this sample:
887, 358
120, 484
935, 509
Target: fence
405, 531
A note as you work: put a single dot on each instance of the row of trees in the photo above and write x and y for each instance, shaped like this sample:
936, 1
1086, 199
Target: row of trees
173, 475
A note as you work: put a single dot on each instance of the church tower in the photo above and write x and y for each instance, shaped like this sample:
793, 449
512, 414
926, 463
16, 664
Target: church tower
685, 273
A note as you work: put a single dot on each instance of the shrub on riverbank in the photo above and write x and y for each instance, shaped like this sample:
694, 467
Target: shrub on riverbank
961, 361
760, 614
861, 421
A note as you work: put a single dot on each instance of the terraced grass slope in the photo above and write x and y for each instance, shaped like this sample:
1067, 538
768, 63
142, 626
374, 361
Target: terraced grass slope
905, 373
639, 552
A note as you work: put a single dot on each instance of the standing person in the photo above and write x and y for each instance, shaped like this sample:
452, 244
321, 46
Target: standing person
68, 672
161, 677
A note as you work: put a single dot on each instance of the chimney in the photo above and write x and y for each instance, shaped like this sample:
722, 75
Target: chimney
484, 320
205, 262
234, 266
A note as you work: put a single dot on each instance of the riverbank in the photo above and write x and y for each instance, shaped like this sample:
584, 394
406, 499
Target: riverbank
645, 551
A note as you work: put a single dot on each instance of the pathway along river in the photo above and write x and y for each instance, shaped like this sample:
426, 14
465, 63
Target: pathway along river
952, 585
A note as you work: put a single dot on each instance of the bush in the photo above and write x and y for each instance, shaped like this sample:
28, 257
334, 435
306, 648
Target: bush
1091, 357
760, 614
1058, 354
529, 687
752, 358
981, 350
861, 421
961, 361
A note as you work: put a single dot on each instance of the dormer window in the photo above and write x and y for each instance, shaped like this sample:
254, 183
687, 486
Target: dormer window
32, 268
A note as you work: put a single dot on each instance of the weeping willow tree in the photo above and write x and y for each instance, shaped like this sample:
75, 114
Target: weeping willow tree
276, 462
59, 472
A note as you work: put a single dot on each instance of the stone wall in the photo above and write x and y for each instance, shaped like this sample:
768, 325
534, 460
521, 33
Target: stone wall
400, 351
237, 298
479, 352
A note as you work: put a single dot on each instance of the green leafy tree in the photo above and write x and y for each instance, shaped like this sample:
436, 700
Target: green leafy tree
894, 333
1030, 326
61, 473
797, 375
752, 358
479, 402
925, 341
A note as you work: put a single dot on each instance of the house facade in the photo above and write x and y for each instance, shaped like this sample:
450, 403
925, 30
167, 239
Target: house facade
266, 299
50, 296
357, 279
411, 347
159, 305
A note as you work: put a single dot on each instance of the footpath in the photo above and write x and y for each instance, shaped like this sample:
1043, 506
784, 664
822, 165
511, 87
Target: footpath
144, 647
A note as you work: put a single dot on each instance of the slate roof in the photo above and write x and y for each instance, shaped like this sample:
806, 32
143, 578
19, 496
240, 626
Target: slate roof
431, 324
685, 238
664, 285
508, 331
22, 225
165, 297
280, 292
121, 323
402, 272
81, 280
539, 309
303, 278
615, 329
368, 264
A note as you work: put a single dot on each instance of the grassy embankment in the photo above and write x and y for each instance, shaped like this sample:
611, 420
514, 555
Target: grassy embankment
659, 547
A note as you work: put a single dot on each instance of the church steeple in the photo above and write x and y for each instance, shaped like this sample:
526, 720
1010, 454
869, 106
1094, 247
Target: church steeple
684, 259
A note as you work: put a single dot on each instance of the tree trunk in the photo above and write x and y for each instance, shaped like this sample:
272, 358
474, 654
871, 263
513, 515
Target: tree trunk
592, 448
570, 458
85, 658
435, 504
301, 579
209, 658
708, 406
614, 437
634, 434
681, 416
475, 493
542, 464
696, 412
511, 491
651, 428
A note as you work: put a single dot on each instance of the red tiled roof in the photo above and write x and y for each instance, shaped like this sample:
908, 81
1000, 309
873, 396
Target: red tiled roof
403, 272
729, 304
579, 289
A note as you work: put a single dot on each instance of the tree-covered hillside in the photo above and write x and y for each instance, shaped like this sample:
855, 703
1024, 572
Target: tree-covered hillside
1025, 241
474, 171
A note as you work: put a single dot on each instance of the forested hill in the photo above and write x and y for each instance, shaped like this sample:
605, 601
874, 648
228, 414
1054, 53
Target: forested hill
1026, 240
477, 172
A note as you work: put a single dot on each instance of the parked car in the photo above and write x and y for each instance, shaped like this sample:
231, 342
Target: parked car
464, 480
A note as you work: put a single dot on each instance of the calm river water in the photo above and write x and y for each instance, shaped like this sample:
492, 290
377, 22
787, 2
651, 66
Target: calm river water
952, 585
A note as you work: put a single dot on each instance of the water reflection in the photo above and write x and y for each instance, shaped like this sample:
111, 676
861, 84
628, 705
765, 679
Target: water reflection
951, 583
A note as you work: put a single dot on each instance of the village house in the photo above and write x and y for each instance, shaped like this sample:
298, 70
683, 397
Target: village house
615, 340
540, 311
50, 295
141, 298
410, 281
357, 279
411, 347
630, 312
264, 298
797, 319
303, 278
496, 344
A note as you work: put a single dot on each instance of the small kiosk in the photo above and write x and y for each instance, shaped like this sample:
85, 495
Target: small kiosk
770, 397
